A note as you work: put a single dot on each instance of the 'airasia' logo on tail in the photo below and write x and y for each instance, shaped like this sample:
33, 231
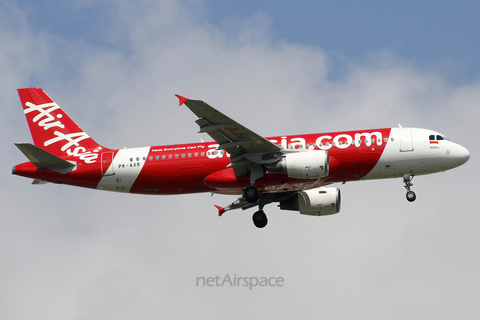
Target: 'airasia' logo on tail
71, 140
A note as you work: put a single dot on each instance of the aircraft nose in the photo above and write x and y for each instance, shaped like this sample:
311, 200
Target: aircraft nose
463, 155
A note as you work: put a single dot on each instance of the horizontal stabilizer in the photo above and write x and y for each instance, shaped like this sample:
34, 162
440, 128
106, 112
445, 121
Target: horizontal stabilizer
43, 159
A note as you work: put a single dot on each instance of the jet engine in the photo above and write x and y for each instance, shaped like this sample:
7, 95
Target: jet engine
314, 202
310, 164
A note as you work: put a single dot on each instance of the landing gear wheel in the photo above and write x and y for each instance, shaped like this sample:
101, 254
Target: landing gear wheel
411, 196
260, 219
251, 194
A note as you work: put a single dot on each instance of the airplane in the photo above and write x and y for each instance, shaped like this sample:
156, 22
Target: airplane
292, 170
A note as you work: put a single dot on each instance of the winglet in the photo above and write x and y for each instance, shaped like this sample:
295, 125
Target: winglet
220, 210
182, 100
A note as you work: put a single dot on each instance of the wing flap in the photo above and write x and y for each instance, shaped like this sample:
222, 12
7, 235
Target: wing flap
208, 128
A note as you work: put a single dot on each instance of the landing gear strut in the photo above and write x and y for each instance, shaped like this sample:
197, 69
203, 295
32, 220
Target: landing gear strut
251, 193
407, 180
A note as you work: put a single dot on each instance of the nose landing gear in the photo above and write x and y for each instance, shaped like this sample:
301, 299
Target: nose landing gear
407, 180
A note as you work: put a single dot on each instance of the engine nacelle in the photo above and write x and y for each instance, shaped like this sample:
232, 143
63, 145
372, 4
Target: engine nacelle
310, 164
314, 202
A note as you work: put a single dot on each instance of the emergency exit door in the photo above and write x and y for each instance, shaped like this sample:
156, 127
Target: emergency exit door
406, 140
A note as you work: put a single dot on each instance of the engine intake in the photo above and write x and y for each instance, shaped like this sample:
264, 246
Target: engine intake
310, 164
314, 202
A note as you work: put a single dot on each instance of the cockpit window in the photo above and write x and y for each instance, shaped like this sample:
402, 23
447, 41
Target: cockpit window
437, 137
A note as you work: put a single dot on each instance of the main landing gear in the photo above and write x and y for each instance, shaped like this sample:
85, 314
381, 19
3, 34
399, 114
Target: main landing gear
260, 219
252, 195
407, 180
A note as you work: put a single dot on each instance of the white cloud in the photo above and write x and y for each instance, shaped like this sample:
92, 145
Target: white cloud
75, 253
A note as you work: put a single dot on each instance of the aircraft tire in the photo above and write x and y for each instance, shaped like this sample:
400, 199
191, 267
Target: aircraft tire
251, 194
411, 196
260, 219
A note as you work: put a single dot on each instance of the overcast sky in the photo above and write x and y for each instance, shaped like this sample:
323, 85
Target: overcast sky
314, 66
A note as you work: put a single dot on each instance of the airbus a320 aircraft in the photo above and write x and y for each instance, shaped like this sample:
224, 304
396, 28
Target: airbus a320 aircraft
291, 170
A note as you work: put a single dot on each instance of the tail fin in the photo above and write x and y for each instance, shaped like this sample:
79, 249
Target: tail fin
53, 130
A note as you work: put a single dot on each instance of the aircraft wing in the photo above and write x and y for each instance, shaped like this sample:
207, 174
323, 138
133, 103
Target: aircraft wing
244, 146
240, 203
